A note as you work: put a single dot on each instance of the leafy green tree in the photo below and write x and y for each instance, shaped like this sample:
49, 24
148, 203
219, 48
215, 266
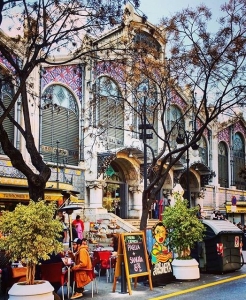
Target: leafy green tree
30, 234
184, 228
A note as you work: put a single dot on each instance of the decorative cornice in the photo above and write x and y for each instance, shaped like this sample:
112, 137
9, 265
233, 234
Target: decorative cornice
136, 189
95, 184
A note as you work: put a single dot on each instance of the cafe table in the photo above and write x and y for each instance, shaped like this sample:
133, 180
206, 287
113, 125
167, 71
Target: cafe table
68, 264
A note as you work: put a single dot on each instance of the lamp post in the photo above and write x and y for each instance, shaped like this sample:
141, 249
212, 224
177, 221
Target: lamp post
185, 137
57, 164
144, 135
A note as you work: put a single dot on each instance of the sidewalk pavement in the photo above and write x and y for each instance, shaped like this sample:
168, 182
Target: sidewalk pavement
143, 292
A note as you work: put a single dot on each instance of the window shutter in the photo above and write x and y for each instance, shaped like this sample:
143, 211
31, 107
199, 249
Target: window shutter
7, 124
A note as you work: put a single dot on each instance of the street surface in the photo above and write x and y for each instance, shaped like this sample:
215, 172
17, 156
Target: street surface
228, 286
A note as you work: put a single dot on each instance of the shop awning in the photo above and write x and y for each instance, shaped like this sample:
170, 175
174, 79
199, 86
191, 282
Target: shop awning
238, 209
20, 196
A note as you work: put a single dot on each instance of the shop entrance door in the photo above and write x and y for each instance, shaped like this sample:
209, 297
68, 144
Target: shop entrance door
115, 198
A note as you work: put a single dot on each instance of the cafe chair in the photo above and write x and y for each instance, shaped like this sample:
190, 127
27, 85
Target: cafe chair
18, 274
109, 265
54, 274
92, 276
103, 262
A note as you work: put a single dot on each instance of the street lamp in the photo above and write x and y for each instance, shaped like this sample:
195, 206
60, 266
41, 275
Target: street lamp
69, 209
185, 137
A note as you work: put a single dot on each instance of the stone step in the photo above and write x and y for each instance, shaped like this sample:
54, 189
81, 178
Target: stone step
136, 222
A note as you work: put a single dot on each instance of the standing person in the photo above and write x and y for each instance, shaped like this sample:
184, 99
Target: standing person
64, 232
74, 232
199, 211
114, 242
156, 216
82, 261
79, 225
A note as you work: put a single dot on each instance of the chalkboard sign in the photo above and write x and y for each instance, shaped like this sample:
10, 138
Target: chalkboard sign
135, 252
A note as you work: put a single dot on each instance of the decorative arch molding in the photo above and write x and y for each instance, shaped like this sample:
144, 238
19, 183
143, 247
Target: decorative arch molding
70, 75
129, 168
194, 181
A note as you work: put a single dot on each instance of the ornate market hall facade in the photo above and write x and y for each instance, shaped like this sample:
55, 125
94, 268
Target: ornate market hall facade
107, 171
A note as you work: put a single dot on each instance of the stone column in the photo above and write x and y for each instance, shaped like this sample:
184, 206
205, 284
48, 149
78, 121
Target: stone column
136, 211
96, 193
95, 206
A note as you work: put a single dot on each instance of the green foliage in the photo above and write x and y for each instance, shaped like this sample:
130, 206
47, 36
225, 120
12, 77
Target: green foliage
30, 232
185, 229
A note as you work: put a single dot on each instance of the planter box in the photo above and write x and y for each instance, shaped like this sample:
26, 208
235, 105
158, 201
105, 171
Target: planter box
185, 269
41, 290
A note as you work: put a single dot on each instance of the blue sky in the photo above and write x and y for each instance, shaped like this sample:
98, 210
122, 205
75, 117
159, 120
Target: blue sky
155, 9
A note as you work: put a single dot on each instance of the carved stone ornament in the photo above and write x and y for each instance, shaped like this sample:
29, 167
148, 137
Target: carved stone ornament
95, 184
136, 189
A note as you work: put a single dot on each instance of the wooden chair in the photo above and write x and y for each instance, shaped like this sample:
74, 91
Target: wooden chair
54, 274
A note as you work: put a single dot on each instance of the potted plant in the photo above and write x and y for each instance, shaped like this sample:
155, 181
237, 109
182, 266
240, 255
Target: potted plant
29, 234
185, 229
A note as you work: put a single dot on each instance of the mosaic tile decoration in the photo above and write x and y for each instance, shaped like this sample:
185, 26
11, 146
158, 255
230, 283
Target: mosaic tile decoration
4, 61
199, 125
238, 127
176, 99
70, 75
224, 135
113, 69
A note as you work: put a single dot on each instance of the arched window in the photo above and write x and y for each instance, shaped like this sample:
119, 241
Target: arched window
7, 92
146, 104
60, 126
109, 112
203, 150
144, 39
238, 161
223, 165
174, 118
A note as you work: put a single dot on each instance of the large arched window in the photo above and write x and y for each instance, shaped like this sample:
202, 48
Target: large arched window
109, 113
238, 161
144, 39
146, 104
174, 119
203, 150
223, 165
7, 92
60, 126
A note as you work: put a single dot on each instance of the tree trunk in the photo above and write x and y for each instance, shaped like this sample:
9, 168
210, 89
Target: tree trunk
30, 274
146, 204
36, 182
144, 218
36, 189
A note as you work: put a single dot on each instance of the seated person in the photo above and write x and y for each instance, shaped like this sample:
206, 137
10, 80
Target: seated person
82, 261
